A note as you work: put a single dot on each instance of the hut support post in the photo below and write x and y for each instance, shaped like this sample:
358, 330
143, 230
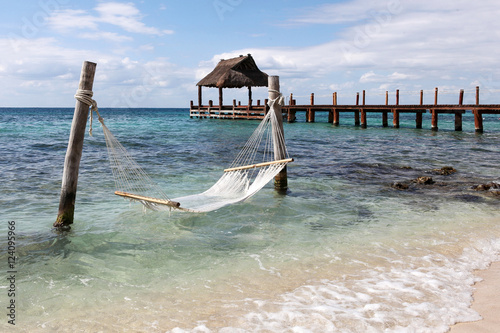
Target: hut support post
220, 99
249, 96
66, 211
281, 180
199, 97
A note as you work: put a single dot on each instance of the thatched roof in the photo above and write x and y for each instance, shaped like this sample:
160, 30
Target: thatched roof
235, 73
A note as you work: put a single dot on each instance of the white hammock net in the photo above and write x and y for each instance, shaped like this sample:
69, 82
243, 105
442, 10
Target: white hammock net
261, 159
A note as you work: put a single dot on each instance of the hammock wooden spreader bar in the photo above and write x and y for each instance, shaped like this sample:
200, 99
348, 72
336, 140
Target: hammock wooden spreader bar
148, 199
258, 165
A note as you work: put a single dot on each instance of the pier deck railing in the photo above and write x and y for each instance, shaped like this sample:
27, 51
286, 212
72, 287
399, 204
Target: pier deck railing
360, 110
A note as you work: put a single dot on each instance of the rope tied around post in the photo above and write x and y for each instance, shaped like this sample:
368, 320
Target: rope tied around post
280, 99
85, 96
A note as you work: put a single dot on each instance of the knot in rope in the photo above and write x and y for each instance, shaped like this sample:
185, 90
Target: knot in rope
85, 96
280, 99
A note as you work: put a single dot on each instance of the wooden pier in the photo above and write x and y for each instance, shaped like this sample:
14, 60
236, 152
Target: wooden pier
360, 110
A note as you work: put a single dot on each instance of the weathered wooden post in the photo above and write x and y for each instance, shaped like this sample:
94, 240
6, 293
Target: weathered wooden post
291, 113
199, 97
384, 113
395, 112
434, 119
221, 99
330, 113
418, 120
418, 116
395, 118
458, 114
363, 112
478, 116
310, 116
249, 96
356, 112
336, 113
281, 180
66, 211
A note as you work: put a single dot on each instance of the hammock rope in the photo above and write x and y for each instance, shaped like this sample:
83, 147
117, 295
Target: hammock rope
254, 167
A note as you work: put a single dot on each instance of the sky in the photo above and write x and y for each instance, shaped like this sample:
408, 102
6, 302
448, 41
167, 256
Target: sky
152, 53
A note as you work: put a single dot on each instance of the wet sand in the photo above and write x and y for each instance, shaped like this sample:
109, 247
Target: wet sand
486, 303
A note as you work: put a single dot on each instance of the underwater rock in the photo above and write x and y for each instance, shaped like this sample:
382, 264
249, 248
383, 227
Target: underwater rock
400, 186
487, 187
424, 180
445, 171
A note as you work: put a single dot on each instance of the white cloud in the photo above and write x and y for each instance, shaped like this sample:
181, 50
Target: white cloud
43, 73
394, 77
125, 16
111, 36
122, 15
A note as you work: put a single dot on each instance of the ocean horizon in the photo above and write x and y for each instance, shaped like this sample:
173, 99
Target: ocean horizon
343, 251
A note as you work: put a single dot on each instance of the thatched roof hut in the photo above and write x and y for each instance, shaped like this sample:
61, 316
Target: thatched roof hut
234, 73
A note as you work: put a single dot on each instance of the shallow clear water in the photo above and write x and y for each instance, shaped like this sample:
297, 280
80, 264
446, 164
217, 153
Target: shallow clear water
342, 251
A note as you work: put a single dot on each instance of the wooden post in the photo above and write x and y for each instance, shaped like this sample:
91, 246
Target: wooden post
384, 113
421, 97
312, 98
418, 120
434, 120
478, 120
281, 180
336, 113
330, 114
199, 96
220, 99
397, 96
356, 112
477, 95
310, 115
458, 114
436, 96
363, 112
66, 211
363, 119
395, 120
249, 96
458, 121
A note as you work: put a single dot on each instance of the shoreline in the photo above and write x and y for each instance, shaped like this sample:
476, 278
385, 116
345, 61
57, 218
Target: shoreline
486, 295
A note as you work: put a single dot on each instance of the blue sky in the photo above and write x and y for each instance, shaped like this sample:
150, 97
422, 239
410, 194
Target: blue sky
152, 53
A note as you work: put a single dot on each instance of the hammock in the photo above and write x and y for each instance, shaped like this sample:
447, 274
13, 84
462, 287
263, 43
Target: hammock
261, 159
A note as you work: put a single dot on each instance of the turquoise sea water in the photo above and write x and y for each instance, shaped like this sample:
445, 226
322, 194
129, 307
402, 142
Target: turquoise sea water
341, 252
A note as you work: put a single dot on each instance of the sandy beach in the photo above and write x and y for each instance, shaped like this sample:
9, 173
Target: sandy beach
486, 303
